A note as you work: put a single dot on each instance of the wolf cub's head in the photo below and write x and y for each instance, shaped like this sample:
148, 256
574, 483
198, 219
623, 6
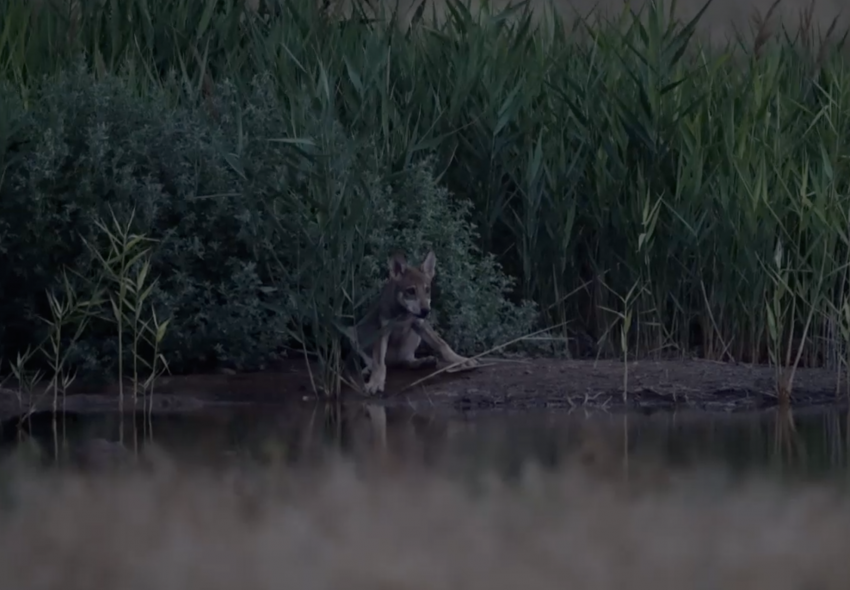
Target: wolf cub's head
413, 284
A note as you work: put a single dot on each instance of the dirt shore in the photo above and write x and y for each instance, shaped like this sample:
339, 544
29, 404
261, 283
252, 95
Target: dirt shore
510, 384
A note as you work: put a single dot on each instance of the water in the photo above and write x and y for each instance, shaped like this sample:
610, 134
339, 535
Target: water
812, 444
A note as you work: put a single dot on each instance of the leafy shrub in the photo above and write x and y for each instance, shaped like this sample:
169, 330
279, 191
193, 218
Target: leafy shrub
470, 302
344, 206
93, 145
263, 224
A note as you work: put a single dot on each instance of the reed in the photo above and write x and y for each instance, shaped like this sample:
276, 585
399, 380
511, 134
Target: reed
114, 292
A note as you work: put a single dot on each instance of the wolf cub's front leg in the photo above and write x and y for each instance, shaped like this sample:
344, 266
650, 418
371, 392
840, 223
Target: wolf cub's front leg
378, 376
441, 347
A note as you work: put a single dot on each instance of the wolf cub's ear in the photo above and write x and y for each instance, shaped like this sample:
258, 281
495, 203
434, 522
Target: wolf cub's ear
397, 265
429, 265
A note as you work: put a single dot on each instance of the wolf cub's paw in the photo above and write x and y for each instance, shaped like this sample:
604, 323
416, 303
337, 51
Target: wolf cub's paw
465, 364
376, 382
425, 362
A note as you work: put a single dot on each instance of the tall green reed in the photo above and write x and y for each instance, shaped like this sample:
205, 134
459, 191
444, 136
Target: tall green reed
116, 291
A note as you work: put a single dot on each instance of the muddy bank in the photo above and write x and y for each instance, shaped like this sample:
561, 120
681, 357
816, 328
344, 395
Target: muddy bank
510, 384
649, 386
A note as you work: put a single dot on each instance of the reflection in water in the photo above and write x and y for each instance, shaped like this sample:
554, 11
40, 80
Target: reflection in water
810, 444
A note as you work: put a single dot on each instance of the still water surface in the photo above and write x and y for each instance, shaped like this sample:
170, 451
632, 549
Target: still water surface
812, 444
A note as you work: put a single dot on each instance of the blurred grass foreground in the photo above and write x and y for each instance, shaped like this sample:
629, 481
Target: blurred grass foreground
334, 528
617, 176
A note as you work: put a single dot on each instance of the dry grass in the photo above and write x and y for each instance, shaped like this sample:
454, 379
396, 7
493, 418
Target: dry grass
339, 528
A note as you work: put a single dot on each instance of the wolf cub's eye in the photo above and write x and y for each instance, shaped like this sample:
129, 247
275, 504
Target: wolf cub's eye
410, 291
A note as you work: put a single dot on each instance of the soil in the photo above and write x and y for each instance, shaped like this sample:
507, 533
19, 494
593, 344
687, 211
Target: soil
509, 384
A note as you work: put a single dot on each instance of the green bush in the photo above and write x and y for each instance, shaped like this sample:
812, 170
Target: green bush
471, 300
250, 244
337, 206
93, 145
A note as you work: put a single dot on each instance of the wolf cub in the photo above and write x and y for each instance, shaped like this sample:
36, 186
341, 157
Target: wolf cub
391, 332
